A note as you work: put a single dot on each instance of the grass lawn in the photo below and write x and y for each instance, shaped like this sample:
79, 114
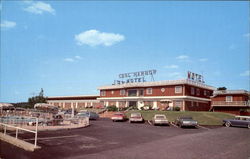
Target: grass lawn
203, 118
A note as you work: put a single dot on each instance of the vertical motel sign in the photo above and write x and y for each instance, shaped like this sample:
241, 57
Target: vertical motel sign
195, 77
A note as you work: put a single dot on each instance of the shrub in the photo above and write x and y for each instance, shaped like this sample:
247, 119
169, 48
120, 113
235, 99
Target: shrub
112, 108
177, 108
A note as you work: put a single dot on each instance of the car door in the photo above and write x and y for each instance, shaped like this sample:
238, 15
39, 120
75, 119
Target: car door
235, 122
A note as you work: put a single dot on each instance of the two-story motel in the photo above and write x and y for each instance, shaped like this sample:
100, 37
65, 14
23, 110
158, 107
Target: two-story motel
186, 94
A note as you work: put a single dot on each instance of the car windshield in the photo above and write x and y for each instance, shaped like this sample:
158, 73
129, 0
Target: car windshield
160, 117
135, 115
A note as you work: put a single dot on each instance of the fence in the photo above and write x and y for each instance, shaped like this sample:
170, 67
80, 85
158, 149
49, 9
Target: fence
5, 126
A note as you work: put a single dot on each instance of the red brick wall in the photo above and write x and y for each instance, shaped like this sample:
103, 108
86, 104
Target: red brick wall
232, 110
188, 92
236, 97
156, 91
200, 107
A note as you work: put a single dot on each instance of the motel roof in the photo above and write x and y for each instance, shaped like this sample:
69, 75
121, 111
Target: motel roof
158, 83
73, 97
227, 92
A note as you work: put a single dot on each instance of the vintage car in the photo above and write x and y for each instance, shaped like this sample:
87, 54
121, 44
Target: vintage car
90, 115
136, 117
240, 121
119, 116
186, 122
160, 119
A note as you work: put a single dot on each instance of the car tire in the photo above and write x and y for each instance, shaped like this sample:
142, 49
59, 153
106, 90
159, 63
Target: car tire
227, 124
248, 126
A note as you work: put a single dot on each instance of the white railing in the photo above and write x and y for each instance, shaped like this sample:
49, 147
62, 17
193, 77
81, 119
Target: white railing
19, 128
233, 103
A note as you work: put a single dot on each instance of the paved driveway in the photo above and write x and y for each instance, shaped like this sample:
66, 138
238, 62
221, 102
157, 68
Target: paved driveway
105, 139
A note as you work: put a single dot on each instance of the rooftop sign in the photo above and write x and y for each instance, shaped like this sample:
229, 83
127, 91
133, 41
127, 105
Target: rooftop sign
195, 77
134, 77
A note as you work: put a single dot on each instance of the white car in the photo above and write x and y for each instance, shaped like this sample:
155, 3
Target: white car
160, 119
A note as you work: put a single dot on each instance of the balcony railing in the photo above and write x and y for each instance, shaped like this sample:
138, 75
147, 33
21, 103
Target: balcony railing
233, 103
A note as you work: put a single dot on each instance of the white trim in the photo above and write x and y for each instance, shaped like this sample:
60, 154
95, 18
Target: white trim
158, 83
73, 96
154, 97
69, 101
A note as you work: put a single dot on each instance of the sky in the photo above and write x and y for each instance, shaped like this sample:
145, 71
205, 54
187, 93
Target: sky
73, 47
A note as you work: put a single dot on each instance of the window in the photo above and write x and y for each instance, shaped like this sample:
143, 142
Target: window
192, 91
122, 92
103, 93
178, 89
229, 98
197, 91
132, 92
178, 103
141, 92
149, 90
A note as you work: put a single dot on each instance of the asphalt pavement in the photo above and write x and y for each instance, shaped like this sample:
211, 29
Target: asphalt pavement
105, 139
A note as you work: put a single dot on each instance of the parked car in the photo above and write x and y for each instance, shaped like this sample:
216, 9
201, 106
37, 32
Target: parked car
160, 119
119, 117
136, 117
90, 115
240, 121
186, 122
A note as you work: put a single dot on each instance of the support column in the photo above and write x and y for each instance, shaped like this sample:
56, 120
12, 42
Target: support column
154, 104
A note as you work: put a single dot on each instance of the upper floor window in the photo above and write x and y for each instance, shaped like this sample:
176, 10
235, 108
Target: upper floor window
178, 89
141, 92
229, 98
103, 93
149, 90
205, 93
192, 91
122, 92
197, 91
132, 92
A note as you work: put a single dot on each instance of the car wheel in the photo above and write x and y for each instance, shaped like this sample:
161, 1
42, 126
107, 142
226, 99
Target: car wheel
248, 126
228, 124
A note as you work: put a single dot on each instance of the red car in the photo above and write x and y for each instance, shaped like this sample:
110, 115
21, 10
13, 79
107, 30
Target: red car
119, 117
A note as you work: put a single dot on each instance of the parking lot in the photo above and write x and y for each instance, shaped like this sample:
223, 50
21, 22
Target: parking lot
105, 139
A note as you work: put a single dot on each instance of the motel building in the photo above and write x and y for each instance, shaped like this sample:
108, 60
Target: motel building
76, 102
164, 95
230, 101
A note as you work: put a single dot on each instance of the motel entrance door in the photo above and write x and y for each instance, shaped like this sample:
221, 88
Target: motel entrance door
132, 103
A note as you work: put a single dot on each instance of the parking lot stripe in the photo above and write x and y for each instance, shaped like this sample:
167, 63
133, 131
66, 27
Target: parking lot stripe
203, 127
149, 122
173, 124
55, 137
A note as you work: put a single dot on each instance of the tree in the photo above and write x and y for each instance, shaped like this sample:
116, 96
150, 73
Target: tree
37, 99
221, 88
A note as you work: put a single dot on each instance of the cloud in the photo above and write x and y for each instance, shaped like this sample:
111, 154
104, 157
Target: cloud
94, 38
74, 59
246, 73
39, 8
172, 66
246, 35
8, 24
203, 59
78, 57
182, 57
68, 60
